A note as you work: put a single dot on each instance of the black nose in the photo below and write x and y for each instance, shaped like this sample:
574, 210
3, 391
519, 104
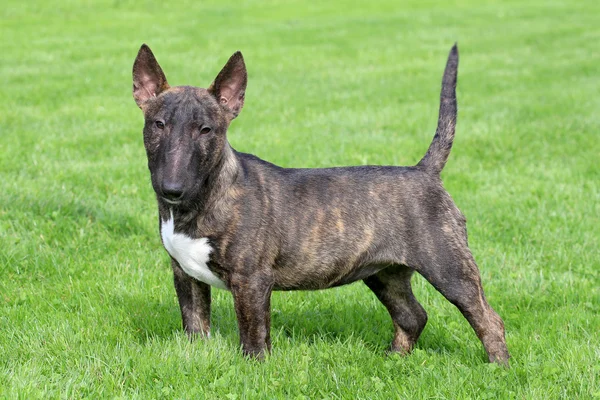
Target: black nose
172, 190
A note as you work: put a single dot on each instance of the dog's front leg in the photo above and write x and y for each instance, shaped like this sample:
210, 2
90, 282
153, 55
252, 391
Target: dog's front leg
252, 301
194, 301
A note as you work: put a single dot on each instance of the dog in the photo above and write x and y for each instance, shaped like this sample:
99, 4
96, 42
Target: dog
233, 221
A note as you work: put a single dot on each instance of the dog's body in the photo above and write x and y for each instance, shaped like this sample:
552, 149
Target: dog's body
233, 221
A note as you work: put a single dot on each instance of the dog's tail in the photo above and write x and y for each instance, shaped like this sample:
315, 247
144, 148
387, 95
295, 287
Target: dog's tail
439, 149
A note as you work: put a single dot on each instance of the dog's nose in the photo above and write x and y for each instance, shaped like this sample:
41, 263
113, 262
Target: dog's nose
172, 190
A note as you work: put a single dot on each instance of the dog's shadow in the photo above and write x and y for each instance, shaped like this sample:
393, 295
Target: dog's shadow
331, 323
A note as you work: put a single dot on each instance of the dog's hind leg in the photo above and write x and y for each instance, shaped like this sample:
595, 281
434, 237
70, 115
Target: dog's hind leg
456, 276
392, 288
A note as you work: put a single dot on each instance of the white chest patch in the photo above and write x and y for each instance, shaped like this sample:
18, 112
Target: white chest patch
191, 254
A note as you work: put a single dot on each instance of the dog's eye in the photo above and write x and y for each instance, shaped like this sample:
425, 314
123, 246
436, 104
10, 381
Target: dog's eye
205, 130
159, 124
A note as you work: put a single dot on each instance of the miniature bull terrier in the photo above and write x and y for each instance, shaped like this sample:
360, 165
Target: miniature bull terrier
239, 223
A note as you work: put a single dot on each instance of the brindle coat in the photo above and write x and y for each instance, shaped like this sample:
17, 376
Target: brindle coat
273, 228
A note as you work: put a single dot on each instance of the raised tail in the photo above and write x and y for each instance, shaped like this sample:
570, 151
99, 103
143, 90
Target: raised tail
439, 149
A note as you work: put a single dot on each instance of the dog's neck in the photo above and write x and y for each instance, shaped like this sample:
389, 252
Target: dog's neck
220, 180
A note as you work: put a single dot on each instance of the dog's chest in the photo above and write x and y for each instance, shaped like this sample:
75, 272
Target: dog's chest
191, 254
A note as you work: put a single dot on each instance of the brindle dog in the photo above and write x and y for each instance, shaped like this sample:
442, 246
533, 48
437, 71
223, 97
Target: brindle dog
234, 221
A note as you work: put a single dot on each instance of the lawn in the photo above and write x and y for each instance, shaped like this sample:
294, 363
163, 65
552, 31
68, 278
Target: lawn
87, 304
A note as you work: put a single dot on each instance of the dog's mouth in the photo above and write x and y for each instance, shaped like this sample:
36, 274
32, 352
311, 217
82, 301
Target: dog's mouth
173, 202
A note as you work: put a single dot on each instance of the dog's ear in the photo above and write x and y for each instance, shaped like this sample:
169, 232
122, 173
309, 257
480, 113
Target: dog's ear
229, 87
148, 78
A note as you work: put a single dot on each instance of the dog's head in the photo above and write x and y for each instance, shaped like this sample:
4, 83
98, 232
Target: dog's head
185, 127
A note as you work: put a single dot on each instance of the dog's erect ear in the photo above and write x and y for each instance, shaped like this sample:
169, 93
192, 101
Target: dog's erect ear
148, 78
229, 87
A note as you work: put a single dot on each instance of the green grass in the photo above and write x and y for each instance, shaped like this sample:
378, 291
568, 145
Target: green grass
87, 306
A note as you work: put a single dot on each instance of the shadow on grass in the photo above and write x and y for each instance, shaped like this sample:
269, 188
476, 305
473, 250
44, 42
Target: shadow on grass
336, 324
150, 319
